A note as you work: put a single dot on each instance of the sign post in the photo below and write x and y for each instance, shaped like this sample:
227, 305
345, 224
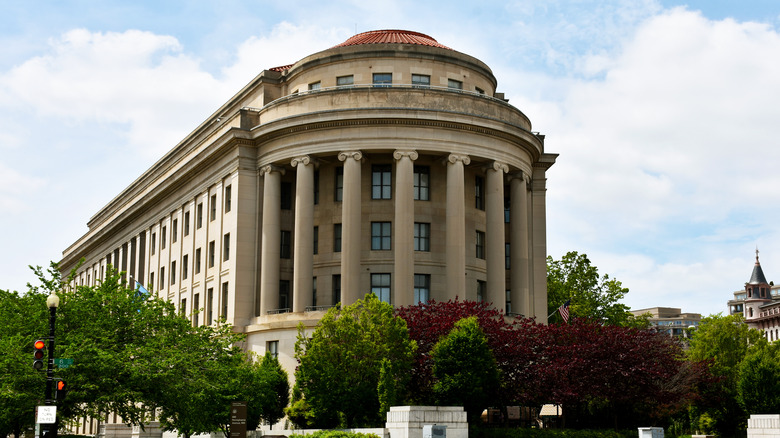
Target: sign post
238, 419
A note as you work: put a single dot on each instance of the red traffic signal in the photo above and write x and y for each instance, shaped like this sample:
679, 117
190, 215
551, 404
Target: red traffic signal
38, 354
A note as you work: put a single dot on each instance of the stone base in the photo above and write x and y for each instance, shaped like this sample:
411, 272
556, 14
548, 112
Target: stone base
408, 421
763, 426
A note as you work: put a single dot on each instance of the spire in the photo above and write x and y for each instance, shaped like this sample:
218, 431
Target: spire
757, 277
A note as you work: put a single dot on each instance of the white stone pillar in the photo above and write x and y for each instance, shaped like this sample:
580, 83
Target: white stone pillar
303, 256
518, 245
456, 226
351, 228
494, 235
403, 228
269, 256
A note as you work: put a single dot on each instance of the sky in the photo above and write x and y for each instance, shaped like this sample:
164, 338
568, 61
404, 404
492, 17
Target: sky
665, 115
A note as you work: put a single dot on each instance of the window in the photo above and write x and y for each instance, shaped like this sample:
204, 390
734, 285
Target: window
381, 181
336, 237
422, 183
507, 259
272, 347
151, 276
383, 79
343, 81
508, 301
228, 198
480, 244
316, 187
286, 200
314, 291
479, 192
422, 236
199, 220
224, 313
184, 267
162, 278
173, 273
380, 286
213, 208
479, 90
186, 223
481, 290
314, 86
336, 288
183, 307
286, 245
284, 294
338, 186
154, 244
422, 288
452, 83
195, 309
197, 261
507, 209
163, 237
211, 254
421, 81
209, 306
380, 235
226, 247
175, 231
316, 237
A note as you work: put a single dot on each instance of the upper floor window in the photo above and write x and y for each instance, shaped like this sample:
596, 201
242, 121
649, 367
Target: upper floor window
213, 207
154, 245
479, 192
314, 86
383, 79
286, 245
381, 181
316, 187
316, 238
186, 223
422, 288
421, 80
422, 183
343, 81
336, 237
338, 185
197, 261
452, 83
226, 247
286, 200
479, 90
480, 244
422, 236
228, 198
163, 238
380, 286
199, 216
380, 235
175, 231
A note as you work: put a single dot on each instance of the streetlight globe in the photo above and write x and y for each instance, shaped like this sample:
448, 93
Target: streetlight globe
52, 301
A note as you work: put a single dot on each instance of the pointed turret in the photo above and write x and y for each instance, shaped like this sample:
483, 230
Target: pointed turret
758, 291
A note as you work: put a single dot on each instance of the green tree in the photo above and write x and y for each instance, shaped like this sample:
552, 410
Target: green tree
592, 296
276, 390
339, 365
759, 379
723, 341
465, 369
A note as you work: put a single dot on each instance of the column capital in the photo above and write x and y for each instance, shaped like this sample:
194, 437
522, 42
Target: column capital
270, 168
523, 176
398, 154
303, 159
499, 166
454, 158
356, 155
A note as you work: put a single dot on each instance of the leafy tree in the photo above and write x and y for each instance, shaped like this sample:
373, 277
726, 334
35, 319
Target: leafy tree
592, 296
275, 393
723, 341
339, 365
759, 379
465, 369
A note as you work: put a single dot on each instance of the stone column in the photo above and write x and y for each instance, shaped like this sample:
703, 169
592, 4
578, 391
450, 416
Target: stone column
269, 255
303, 255
456, 226
351, 228
518, 245
403, 228
495, 249
539, 236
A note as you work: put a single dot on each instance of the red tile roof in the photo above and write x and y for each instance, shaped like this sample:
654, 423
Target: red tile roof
281, 68
391, 37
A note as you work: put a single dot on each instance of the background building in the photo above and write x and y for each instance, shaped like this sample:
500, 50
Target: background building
759, 302
670, 320
388, 163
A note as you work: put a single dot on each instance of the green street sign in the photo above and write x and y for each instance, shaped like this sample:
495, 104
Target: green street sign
63, 363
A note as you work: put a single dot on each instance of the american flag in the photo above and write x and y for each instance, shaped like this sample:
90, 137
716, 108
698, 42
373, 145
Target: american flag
564, 310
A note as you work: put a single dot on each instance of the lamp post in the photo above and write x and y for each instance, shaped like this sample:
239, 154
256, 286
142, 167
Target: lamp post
52, 301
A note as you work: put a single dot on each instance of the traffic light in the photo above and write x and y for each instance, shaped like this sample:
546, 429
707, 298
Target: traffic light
60, 389
38, 354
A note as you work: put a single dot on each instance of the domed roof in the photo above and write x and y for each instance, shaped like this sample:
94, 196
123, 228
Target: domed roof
391, 37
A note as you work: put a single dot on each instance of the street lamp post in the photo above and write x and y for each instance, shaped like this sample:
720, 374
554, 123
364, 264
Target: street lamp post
51, 302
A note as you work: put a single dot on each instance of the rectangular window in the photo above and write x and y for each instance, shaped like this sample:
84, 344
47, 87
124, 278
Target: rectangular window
421, 81
183, 307
336, 237
343, 81
224, 313
507, 207
186, 223
213, 208
316, 187
199, 214
272, 347
380, 286
314, 86
338, 185
286, 200
381, 181
209, 306
162, 278
197, 260
175, 231
380, 235
316, 236
422, 236
211, 254
314, 291
226, 247
383, 79
154, 245
336, 289
285, 251
185, 267
151, 277
507, 260
228, 198
479, 90
480, 244
422, 183
422, 288
481, 290
195, 309
163, 237
173, 273
479, 192
452, 83
284, 294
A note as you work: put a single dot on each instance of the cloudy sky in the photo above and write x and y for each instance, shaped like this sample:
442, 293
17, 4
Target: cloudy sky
665, 114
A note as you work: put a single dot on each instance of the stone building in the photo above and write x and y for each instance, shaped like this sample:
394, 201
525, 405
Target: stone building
386, 164
759, 303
